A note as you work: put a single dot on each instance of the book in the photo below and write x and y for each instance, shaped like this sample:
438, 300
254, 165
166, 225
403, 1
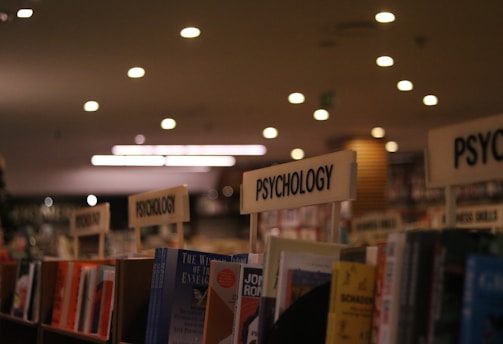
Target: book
23, 289
390, 300
107, 303
246, 319
97, 297
446, 302
37, 286
75, 295
155, 287
182, 298
482, 312
298, 273
87, 303
274, 247
61, 293
380, 269
351, 303
222, 296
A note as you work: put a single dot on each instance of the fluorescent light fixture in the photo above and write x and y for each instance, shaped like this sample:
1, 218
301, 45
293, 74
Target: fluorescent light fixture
200, 160
129, 160
189, 150
160, 160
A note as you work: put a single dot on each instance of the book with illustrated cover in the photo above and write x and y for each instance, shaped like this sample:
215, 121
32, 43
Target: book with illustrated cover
298, 273
183, 296
351, 303
222, 296
246, 318
482, 315
25, 278
107, 303
274, 247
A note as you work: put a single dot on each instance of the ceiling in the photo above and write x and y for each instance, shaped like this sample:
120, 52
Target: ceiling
230, 83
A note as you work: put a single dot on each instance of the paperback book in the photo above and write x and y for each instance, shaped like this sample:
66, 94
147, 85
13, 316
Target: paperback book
246, 317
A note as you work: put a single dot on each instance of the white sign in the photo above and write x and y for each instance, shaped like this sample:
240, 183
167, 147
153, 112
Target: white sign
90, 220
465, 153
159, 207
322, 179
483, 216
388, 222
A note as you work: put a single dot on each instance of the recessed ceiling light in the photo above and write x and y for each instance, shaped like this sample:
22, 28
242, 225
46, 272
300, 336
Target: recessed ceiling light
377, 132
139, 139
385, 61
385, 17
404, 85
168, 123
391, 146
48, 202
430, 100
297, 154
92, 200
24, 13
91, 106
321, 115
136, 72
296, 98
270, 133
190, 32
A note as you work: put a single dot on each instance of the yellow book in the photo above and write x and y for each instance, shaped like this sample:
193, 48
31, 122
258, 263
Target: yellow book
351, 303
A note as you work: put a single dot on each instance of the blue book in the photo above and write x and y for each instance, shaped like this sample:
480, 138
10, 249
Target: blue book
482, 316
181, 300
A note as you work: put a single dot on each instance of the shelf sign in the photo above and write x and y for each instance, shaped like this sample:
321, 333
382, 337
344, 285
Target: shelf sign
90, 220
159, 207
483, 216
322, 179
385, 222
465, 153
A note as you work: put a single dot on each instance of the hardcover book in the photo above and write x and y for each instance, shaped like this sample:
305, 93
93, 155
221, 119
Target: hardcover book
482, 316
351, 303
298, 273
222, 296
246, 317
274, 247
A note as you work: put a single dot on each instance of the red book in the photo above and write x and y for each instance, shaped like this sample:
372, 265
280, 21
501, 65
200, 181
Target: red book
61, 293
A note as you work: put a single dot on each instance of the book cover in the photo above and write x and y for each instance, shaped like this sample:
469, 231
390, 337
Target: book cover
63, 278
183, 297
390, 303
155, 286
446, 302
247, 306
274, 247
222, 295
107, 303
380, 269
37, 285
67, 294
75, 298
351, 303
98, 296
81, 296
87, 304
482, 315
298, 273
23, 288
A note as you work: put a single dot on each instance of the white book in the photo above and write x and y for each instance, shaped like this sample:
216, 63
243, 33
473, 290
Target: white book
83, 285
298, 273
85, 323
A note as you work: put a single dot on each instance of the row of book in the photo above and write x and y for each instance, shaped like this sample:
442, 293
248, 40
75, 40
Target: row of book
84, 297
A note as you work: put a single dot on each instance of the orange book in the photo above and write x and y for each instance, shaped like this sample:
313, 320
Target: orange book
107, 303
63, 278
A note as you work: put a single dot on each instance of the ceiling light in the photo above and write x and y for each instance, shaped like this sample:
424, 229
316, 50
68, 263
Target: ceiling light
129, 160
92, 200
48, 202
384, 61
24, 13
190, 32
391, 146
404, 85
385, 17
227, 191
91, 106
270, 133
168, 123
430, 100
136, 72
377, 132
321, 115
296, 98
4, 17
297, 154
139, 139
201, 160
189, 150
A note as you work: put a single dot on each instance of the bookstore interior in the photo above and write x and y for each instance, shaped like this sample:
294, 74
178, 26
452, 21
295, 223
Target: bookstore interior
233, 173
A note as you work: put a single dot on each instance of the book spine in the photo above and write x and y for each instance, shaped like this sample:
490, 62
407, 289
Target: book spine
57, 305
466, 315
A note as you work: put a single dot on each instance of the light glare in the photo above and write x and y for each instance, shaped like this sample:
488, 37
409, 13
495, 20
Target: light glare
190, 32
430, 100
270, 133
385, 17
136, 72
168, 123
385, 61
91, 106
92, 200
321, 115
404, 85
24, 13
391, 146
377, 132
297, 154
296, 98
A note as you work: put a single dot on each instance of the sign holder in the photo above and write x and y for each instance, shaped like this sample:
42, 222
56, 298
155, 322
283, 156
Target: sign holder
329, 178
90, 221
160, 207
464, 153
